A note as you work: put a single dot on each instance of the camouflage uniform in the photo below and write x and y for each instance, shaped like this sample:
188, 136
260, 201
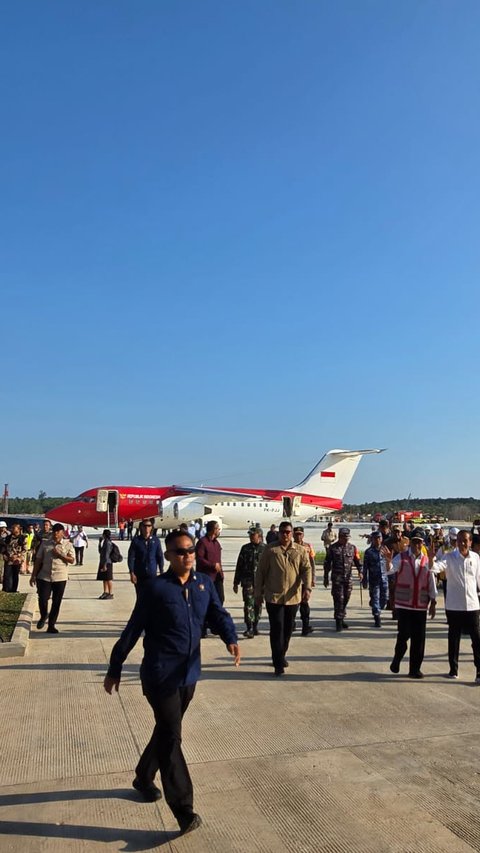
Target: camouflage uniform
340, 560
247, 564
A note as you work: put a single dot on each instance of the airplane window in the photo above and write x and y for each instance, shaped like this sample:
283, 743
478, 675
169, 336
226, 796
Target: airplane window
243, 504
228, 503
248, 504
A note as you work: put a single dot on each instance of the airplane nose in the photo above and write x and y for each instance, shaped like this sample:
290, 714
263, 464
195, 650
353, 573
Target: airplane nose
60, 513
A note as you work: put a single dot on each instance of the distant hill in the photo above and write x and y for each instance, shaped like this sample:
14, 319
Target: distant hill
466, 509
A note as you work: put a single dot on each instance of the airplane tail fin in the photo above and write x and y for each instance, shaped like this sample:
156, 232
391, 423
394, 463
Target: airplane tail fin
332, 476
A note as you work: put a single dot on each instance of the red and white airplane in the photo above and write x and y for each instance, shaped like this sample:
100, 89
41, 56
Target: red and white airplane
321, 492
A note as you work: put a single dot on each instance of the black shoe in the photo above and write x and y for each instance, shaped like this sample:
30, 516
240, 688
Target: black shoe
189, 822
452, 674
102, 596
255, 631
378, 622
344, 625
395, 666
248, 634
416, 674
306, 631
338, 624
52, 630
279, 670
41, 624
149, 791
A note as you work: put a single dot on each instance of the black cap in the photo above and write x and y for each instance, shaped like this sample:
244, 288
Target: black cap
417, 533
295, 529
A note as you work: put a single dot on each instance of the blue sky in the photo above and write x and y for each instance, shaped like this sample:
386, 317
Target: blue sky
235, 235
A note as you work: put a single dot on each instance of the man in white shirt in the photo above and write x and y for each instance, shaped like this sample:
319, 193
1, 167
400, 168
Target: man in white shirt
415, 592
462, 572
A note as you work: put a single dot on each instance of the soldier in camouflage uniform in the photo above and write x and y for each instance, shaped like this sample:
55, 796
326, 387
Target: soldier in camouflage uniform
341, 558
247, 564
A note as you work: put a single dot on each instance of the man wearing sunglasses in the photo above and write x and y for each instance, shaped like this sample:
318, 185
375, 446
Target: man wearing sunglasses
171, 609
284, 579
145, 556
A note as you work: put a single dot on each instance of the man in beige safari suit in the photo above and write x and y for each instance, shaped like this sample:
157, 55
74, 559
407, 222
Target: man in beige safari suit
284, 579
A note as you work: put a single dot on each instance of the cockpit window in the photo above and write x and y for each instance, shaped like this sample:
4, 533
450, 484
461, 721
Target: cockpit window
82, 499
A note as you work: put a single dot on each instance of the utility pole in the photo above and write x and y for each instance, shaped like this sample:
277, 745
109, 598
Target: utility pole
5, 499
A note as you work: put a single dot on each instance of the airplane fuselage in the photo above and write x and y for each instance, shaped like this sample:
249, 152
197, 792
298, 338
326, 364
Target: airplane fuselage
106, 506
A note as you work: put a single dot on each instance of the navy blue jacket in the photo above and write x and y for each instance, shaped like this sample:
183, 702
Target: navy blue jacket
144, 555
374, 567
172, 615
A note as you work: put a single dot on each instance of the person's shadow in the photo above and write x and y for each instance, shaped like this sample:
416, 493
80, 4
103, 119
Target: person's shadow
136, 840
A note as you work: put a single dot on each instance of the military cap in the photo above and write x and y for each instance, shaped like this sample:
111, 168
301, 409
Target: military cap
417, 533
344, 531
254, 529
298, 528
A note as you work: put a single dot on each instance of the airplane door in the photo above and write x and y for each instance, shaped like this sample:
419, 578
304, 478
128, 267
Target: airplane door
297, 503
102, 500
160, 509
291, 506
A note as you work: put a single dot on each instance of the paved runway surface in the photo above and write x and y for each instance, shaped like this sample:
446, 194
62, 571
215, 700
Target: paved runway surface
339, 755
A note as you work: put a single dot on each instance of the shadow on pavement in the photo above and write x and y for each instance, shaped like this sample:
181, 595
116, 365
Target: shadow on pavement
135, 840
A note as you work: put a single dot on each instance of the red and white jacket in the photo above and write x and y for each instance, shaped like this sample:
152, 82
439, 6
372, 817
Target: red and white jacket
413, 590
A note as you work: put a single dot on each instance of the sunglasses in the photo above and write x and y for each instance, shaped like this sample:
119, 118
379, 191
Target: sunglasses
182, 552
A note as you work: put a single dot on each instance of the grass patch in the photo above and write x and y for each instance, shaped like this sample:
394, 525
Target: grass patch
11, 604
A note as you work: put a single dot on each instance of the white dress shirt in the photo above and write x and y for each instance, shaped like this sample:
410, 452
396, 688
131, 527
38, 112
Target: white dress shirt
463, 579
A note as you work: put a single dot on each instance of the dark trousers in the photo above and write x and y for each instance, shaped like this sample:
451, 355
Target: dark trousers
11, 572
282, 620
44, 590
79, 555
459, 621
164, 750
305, 614
411, 626
218, 584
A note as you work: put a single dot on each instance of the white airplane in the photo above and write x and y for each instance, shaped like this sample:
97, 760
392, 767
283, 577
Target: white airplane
321, 492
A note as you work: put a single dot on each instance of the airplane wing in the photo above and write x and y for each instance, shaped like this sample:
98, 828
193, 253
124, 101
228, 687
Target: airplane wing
217, 493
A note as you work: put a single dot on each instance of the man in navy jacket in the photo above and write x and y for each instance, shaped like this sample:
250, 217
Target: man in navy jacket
171, 610
144, 555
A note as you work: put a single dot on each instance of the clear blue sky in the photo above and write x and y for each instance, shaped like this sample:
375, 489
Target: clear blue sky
235, 235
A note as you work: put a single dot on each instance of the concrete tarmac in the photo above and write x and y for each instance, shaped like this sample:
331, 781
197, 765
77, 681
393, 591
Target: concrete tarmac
339, 755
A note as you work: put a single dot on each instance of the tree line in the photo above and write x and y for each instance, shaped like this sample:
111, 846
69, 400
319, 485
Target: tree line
34, 506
